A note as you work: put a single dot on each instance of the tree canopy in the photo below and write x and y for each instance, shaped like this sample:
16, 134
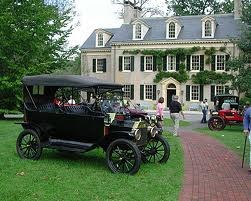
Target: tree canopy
33, 40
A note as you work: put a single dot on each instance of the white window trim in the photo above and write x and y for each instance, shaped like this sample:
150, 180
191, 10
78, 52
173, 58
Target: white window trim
145, 92
224, 63
167, 64
175, 34
135, 32
123, 66
148, 71
98, 39
194, 71
129, 85
96, 67
191, 93
224, 89
212, 28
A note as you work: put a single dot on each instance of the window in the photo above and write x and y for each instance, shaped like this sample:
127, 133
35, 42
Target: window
195, 65
220, 62
219, 89
127, 64
100, 39
38, 90
171, 30
138, 31
149, 92
171, 63
100, 64
208, 28
127, 91
148, 63
195, 93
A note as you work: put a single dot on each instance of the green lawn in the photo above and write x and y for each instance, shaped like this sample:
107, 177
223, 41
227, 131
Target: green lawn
169, 123
232, 137
83, 177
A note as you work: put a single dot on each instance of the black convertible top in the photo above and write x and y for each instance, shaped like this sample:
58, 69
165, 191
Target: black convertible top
78, 81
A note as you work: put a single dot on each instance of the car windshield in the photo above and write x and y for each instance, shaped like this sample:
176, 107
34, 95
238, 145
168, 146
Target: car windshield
229, 100
111, 101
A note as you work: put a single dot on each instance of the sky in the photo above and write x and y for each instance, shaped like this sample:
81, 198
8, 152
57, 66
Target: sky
94, 14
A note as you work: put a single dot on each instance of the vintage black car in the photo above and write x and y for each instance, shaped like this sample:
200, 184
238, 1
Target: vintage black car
94, 119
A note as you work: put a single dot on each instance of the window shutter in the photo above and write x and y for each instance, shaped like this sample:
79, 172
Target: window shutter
227, 58
94, 65
201, 62
226, 89
132, 92
104, 65
213, 62
201, 92
132, 63
212, 92
164, 63
142, 65
120, 63
154, 92
154, 63
141, 92
187, 92
188, 62
177, 63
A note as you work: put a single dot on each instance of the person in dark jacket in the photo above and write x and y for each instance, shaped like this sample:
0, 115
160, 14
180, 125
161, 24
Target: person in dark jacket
175, 111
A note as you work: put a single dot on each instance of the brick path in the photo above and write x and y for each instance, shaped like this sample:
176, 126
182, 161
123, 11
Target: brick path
212, 172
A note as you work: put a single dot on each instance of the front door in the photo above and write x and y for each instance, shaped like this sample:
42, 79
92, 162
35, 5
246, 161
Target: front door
170, 93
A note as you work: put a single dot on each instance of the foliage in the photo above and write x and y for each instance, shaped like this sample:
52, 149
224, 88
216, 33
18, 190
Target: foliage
180, 76
199, 7
62, 176
33, 38
148, 7
211, 77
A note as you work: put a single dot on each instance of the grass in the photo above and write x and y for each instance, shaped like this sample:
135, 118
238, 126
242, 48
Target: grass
83, 177
169, 123
231, 137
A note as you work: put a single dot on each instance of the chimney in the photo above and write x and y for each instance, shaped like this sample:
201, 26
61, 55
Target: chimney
130, 12
237, 9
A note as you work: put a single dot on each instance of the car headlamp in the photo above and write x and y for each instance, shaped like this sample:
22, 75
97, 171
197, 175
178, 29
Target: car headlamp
137, 134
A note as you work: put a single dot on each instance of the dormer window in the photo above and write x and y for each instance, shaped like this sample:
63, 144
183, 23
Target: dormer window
100, 40
138, 31
208, 28
171, 30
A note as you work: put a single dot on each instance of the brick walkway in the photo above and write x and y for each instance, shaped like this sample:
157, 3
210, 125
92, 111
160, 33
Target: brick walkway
212, 172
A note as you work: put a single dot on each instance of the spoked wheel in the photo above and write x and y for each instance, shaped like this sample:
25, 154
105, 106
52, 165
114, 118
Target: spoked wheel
123, 156
28, 145
216, 123
157, 150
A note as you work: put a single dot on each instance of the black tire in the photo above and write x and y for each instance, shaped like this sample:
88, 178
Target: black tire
123, 156
216, 123
28, 145
157, 150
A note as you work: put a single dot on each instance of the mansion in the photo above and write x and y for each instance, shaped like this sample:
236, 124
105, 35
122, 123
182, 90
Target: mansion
160, 56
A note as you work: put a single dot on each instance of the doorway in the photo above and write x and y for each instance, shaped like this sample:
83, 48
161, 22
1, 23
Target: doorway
171, 91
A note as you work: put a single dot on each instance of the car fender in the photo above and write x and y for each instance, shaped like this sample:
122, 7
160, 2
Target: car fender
30, 125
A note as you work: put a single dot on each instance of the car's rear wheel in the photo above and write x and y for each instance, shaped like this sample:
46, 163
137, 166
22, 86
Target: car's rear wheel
123, 156
28, 145
216, 123
157, 150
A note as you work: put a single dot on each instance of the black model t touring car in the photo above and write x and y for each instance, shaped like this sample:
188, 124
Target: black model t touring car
94, 119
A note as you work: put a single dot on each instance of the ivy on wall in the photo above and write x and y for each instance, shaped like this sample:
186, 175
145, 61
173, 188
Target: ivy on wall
211, 77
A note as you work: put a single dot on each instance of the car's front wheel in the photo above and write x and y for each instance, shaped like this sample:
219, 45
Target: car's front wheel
28, 145
157, 150
216, 123
123, 156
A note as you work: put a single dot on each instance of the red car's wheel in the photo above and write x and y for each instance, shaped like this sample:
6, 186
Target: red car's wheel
216, 123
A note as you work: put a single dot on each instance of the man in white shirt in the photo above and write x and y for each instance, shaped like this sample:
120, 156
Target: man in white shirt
71, 101
204, 109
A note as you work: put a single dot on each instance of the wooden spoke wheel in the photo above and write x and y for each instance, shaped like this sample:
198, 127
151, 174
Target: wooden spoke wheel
28, 145
216, 123
123, 156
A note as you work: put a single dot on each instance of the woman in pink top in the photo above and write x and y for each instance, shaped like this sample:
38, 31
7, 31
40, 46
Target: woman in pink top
159, 112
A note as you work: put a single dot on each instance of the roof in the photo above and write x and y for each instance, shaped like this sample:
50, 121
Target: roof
69, 81
227, 28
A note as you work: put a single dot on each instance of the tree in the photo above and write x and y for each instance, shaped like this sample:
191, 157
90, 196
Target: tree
33, 38
241, 66
199, 7
147, 6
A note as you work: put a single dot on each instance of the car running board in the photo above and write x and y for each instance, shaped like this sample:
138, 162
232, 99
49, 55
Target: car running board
70, 145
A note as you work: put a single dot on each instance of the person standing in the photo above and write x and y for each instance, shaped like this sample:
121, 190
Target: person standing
71, 101
247, 130
204, 109
159, 112
175, 111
